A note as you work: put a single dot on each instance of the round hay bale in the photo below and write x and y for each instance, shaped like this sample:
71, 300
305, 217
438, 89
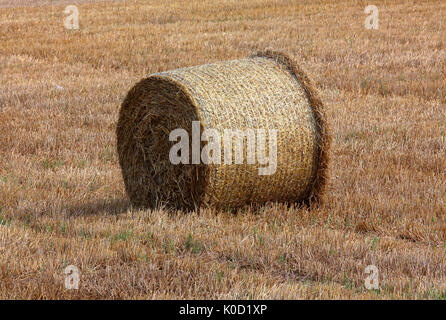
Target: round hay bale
265, 91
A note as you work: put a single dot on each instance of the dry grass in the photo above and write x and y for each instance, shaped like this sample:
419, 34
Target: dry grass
61, 192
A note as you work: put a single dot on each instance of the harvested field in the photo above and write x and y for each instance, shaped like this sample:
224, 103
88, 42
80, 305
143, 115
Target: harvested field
62, 196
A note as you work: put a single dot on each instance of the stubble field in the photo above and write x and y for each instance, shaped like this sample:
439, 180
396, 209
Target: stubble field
62, 198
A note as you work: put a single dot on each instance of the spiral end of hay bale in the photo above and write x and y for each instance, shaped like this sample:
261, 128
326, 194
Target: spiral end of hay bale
265, 91
151, 110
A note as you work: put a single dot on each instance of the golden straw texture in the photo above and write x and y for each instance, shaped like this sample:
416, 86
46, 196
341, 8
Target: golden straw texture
265, 91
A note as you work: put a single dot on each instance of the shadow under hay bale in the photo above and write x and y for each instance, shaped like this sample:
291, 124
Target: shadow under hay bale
267, 91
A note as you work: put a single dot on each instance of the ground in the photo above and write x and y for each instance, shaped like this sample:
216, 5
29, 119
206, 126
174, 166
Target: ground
62, 198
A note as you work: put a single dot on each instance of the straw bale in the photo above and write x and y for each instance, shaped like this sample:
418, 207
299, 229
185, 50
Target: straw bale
265, 91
